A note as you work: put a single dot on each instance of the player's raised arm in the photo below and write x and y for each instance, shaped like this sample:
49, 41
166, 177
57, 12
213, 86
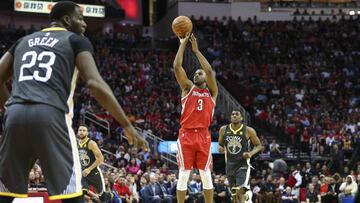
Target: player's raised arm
6, 63
221, 139
205, 65
103, 94
180, 74
254, 140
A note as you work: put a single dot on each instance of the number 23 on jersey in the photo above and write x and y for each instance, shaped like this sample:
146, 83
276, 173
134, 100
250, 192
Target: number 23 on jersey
45, 59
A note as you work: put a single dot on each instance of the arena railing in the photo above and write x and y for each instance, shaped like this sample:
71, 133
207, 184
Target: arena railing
229, 103
151, 138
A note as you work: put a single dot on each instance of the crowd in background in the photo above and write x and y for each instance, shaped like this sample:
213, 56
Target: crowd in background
299, 80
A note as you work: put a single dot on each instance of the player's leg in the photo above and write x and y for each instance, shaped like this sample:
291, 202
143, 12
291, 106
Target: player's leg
58, 154
204, 163
98, 182
17, 155
242, 183
85, 182
185, 158
181, 187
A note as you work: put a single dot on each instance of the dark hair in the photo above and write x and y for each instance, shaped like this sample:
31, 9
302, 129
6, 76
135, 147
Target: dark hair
238, 110
62, 9
83, 125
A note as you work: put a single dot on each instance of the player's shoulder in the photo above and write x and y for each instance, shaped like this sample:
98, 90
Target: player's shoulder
92, 144
80, 43
250, 130
223, 128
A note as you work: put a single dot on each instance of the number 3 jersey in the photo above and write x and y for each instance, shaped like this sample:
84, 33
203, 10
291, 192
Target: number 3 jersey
197, 108
44, 67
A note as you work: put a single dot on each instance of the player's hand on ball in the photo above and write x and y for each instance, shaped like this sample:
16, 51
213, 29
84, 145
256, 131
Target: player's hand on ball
194, 44
185, 39
246, 155
86, 172
221, 149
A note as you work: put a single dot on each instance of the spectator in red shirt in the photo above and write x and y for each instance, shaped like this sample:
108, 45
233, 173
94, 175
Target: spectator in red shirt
123, 190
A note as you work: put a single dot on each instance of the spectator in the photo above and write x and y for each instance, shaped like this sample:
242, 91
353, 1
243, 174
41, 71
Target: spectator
153, 192
133, 167
348, 188
266, 194
130, 179
312, 196
220, 195
196, 189
123, 190
288, 197
274, 150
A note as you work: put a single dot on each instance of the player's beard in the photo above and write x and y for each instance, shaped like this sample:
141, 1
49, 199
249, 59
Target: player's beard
199, 83
82, 138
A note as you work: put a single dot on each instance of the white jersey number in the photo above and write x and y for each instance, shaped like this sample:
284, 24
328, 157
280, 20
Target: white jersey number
200, 105
49, 56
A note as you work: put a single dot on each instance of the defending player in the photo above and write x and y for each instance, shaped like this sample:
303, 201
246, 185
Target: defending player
44, 67
234, 140
198, 102
91, 158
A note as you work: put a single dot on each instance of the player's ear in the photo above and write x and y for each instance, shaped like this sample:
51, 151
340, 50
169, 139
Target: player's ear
66, 20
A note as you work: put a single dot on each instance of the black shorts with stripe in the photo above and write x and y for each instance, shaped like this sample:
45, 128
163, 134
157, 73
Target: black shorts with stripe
39, 131
238, 174
94, 179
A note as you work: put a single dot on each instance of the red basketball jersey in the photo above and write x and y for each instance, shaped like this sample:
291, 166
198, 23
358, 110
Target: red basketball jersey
197, 109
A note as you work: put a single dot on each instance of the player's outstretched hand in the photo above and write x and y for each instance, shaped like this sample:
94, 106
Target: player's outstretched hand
185, 39
142, 143
135, 139
130, 134
194, 44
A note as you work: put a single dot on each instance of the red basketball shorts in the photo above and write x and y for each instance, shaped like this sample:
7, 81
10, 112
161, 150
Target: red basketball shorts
194, 149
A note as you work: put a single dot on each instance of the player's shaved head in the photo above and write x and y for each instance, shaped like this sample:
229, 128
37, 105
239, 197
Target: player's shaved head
62, 9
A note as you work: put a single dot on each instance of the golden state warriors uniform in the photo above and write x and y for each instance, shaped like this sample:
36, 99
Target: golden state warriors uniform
95, 177
237, 168
38, 119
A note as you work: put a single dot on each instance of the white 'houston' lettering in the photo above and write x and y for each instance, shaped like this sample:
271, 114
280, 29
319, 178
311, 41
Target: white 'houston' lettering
198, 94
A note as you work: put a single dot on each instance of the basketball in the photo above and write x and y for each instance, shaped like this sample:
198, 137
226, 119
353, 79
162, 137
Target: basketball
278, 166
181, 25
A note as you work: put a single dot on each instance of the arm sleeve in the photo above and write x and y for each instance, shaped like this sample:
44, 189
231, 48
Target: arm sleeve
13, 47
80, 43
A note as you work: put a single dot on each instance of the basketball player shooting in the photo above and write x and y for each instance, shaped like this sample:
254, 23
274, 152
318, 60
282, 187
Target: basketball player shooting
44, 67
198, 103
234, 140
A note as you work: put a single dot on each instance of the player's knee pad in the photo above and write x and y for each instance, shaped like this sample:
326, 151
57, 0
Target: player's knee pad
206, 179
183, 179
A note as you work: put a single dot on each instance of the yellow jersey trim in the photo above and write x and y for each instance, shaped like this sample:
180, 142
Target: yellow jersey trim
10, 194
82, 144
67, 196
54, 29
236, 131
